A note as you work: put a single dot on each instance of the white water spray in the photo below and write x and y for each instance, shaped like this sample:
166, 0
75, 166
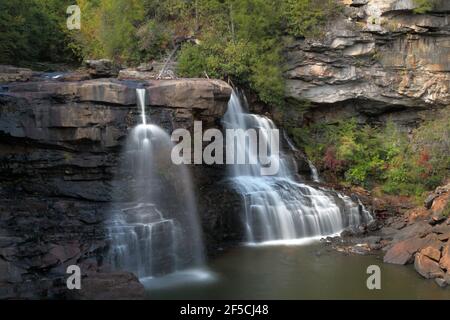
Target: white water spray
278, 207
155, 229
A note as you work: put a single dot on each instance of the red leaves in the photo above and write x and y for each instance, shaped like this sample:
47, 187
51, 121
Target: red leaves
330, 160
423, 161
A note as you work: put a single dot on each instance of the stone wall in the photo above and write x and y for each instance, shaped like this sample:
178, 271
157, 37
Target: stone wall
60, 146
377, 59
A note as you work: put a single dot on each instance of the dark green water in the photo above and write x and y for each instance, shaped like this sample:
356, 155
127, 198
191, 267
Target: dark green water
294, 272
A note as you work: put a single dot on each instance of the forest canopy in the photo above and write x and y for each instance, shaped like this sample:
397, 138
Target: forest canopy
240, 40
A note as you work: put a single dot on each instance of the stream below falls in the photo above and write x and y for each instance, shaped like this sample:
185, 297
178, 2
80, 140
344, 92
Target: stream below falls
309, 271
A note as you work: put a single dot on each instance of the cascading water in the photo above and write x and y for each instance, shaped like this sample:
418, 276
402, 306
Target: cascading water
314, 172
312, 167
155, 228
278, 207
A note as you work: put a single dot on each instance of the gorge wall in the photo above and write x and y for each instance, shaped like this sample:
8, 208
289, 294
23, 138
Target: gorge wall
377, 59
60, 144
61, 140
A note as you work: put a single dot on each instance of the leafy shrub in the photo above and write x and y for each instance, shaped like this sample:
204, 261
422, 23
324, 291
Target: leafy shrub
306, 17
384, 157
242, 44
33, 30
423, 6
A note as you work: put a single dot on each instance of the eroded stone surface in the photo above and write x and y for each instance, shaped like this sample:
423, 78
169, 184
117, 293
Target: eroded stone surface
60, 146
377, 59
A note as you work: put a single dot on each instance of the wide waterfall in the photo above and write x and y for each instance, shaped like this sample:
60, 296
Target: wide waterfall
279, 207
155, 228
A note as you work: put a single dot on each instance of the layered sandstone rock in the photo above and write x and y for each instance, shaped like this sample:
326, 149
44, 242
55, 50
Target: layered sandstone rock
60, 146
377, 59
424, 240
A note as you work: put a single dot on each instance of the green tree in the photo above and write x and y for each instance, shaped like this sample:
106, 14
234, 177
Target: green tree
33, 30
242, 42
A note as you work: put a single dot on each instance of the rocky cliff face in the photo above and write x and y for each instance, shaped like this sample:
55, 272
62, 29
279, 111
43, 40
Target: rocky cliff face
60, 145
377, 59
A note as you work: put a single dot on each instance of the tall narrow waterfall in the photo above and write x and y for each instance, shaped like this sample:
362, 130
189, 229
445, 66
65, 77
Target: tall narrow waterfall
155, 228
279, 207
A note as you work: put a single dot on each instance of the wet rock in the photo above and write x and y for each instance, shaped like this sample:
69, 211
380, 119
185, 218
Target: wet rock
347, 233
12, 74
427, 267
374, 225
110, 286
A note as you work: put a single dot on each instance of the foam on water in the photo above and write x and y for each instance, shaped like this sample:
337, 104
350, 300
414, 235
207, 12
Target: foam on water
279, 209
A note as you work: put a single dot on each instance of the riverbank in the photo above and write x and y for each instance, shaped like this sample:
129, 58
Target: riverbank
406, 235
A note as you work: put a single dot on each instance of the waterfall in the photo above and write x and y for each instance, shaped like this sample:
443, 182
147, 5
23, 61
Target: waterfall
312, 167
155, 229
278, 207
314, 172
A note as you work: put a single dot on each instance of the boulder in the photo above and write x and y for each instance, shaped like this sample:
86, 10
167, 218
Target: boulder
445, 259
433, 251
442, 228
440, 203
102, 68
444, 236
429, 200
403, 252
427, 267
12, 74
